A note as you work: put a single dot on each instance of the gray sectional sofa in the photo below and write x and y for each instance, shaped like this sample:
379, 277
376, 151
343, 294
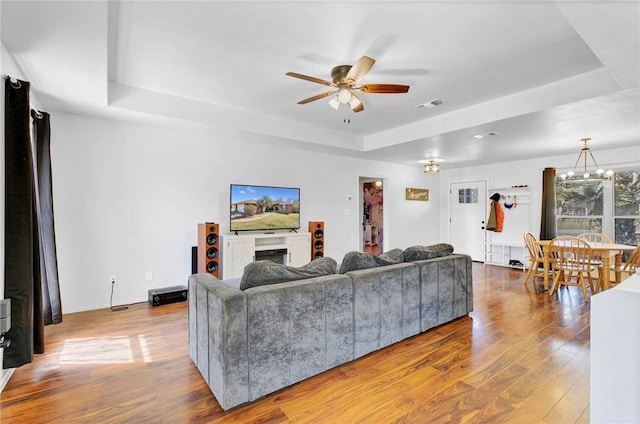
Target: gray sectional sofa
247, 344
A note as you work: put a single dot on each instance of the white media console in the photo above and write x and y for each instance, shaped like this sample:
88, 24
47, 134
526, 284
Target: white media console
240, 250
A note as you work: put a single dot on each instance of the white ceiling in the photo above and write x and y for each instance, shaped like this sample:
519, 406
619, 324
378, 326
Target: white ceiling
541, 74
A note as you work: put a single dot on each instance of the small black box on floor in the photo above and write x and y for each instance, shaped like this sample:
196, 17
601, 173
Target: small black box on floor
167, 295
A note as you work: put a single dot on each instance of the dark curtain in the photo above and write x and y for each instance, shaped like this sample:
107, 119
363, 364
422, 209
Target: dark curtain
31, 266
21, 253
548, 221
51, 303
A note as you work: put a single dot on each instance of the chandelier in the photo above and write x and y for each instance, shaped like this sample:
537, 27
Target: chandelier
599, 172
432, 167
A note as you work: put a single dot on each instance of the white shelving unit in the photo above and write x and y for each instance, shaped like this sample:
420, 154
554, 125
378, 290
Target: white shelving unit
503, 254
240, 250
370, 235
507, 246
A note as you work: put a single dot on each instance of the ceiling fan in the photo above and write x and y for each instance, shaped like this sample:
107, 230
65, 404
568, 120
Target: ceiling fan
345, 80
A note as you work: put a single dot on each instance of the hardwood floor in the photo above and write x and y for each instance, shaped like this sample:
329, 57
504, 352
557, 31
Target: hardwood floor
521, 356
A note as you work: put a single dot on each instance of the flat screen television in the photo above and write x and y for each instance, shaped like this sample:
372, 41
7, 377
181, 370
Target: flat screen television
264, 208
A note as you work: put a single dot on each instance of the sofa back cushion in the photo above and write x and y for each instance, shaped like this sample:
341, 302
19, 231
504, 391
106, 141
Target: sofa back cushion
354, 261
260, 273
420, 253
395, 256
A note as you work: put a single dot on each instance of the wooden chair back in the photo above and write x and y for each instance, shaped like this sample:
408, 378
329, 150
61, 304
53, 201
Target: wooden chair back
535, 250
571, 254
573, 262
595, 237
633, 262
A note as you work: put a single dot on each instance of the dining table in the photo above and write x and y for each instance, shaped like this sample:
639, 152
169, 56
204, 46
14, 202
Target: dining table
605, 250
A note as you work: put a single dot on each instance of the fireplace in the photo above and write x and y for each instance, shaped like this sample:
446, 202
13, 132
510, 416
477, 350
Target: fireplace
278, 256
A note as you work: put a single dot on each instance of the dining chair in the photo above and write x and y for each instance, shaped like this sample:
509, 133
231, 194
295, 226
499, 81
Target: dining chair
535, 257
595, 258
595, 237
628, 267
571, 259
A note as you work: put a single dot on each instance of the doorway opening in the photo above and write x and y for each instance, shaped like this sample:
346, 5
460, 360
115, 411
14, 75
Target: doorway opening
372, 213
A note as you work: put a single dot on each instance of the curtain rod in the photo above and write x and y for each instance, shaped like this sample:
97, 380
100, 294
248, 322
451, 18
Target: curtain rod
15, 83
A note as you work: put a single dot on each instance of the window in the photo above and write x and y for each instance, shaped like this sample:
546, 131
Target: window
601, 206
626, 209
579, 207
468, 195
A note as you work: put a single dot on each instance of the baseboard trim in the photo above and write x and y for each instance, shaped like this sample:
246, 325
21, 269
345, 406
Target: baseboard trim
6, 376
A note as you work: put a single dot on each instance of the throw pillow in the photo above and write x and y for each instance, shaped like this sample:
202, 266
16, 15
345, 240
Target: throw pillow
419, 253
354, 261
260, 273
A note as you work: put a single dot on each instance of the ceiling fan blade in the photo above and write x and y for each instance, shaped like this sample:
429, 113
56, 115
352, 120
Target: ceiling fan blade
383, 88
360, 69
312, 79
356, 106
317, 97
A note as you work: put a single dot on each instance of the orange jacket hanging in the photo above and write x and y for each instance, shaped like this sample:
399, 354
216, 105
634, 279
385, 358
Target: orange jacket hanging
499, 218
496, 217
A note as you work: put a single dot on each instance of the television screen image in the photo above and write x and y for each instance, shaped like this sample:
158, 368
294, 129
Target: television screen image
262, 208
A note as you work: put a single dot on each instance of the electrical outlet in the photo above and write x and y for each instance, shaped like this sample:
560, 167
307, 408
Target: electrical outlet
113, 279
148, 276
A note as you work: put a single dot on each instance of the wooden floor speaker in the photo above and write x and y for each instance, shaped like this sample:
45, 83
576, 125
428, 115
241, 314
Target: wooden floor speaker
316, 228
209, 248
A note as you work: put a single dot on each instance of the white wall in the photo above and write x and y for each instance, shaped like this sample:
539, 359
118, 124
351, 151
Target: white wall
128, 199
526, 172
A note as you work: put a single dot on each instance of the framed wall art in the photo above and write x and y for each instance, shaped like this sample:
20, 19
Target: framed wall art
421, 194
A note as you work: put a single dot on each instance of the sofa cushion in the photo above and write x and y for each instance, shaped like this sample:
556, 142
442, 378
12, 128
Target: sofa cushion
260, 273
354, 261
395, 256
418, 253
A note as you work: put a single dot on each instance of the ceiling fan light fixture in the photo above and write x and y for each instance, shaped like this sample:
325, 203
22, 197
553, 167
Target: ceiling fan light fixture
345, 80
334, 102
354, 102
344, 96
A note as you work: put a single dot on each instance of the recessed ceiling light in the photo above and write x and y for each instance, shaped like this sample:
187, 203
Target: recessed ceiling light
429, 104
487, 134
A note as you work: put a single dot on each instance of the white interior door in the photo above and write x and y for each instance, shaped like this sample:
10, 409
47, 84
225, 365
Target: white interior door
468, 214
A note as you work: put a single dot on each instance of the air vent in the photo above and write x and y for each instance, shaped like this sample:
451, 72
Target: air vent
429, 104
